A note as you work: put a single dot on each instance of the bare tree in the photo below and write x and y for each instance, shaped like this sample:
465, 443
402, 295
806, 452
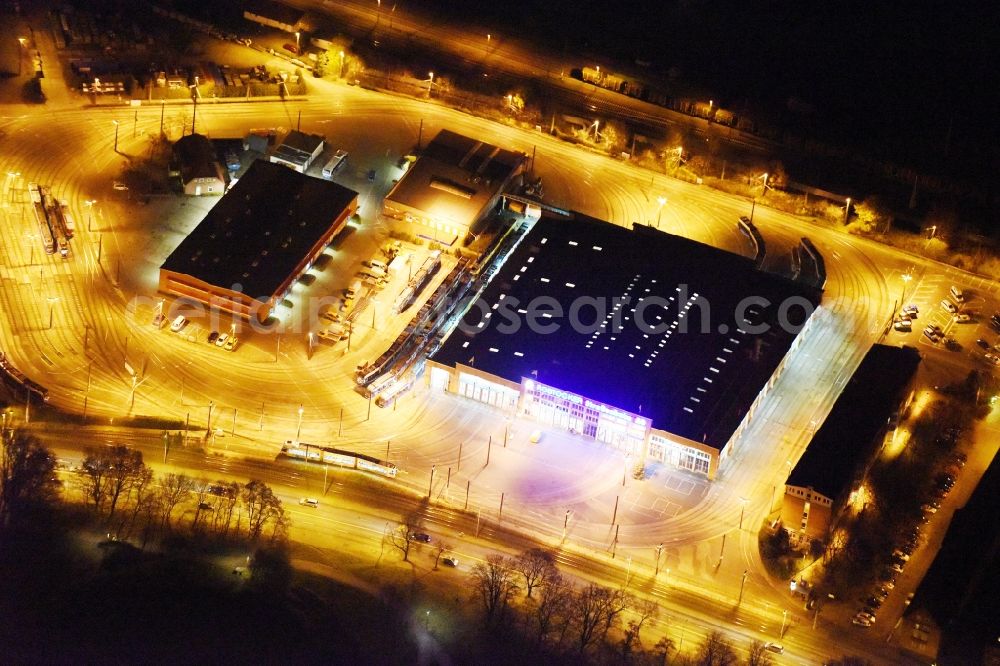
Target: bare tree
174, 489
663, 648
553, 603
758, 655
261, 505
590, 607
228, 494
142, 487
632, 640
533, 565
616, 605
494, 586
109, 472
716, 650
403, 535
201, 496
441, 549
27, 475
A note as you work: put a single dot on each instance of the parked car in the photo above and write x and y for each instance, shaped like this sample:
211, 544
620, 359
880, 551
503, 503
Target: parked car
230, 344
900, 555
309, 502
221, 340
450, 561
774, 647
212, 337
420, 536
179, 323
963, 318
982, 343
861, 621
912, 311
903, 325
949, 306
159, 320
992, 358
931, 507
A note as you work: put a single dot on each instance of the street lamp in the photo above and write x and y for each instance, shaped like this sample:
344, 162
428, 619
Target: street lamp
89, 203
430, 83
297, 48
116, 134
905, 277
52, 300
659, 550
341, 64
847, 210
298, 429
194, 96
743, 506
659, 211
743, 581
20, 56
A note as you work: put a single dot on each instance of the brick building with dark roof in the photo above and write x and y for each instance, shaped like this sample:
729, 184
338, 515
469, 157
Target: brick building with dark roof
820, 484
246, 253
680, 389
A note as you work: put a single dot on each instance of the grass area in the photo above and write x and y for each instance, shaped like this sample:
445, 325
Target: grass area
129, 606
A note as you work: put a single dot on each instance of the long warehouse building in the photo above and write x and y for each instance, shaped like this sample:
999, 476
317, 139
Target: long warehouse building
247, 252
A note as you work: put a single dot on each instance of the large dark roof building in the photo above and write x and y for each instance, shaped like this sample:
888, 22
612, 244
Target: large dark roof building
848, 440
688, 379
249, 249
455, 184
961, 590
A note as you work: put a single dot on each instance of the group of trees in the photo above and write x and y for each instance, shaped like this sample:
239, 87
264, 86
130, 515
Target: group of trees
131, 500
580, 623
27, 477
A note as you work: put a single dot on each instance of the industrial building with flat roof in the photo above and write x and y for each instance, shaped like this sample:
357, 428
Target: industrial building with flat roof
246, 253
298, 151
820, 484
657, 349
453, 186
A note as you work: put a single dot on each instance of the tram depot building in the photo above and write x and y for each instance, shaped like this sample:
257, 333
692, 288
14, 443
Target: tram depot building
262, 235
657, 345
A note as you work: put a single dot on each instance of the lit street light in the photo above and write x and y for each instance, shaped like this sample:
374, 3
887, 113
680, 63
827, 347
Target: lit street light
784, 618
297, 48
659, 211
116, 134
52, 301
659, 550
341, 64
298, 428
20, 55
847, 209
430, 83
743, 506
743, 581
89, 203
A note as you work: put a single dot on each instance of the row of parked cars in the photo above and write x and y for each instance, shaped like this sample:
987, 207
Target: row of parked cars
943, 483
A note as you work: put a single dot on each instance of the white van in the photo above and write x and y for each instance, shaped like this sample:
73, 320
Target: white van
957, 294
352, 291
335, 163
179, 323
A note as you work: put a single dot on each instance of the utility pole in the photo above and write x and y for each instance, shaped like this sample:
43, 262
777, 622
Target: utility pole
743, 581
